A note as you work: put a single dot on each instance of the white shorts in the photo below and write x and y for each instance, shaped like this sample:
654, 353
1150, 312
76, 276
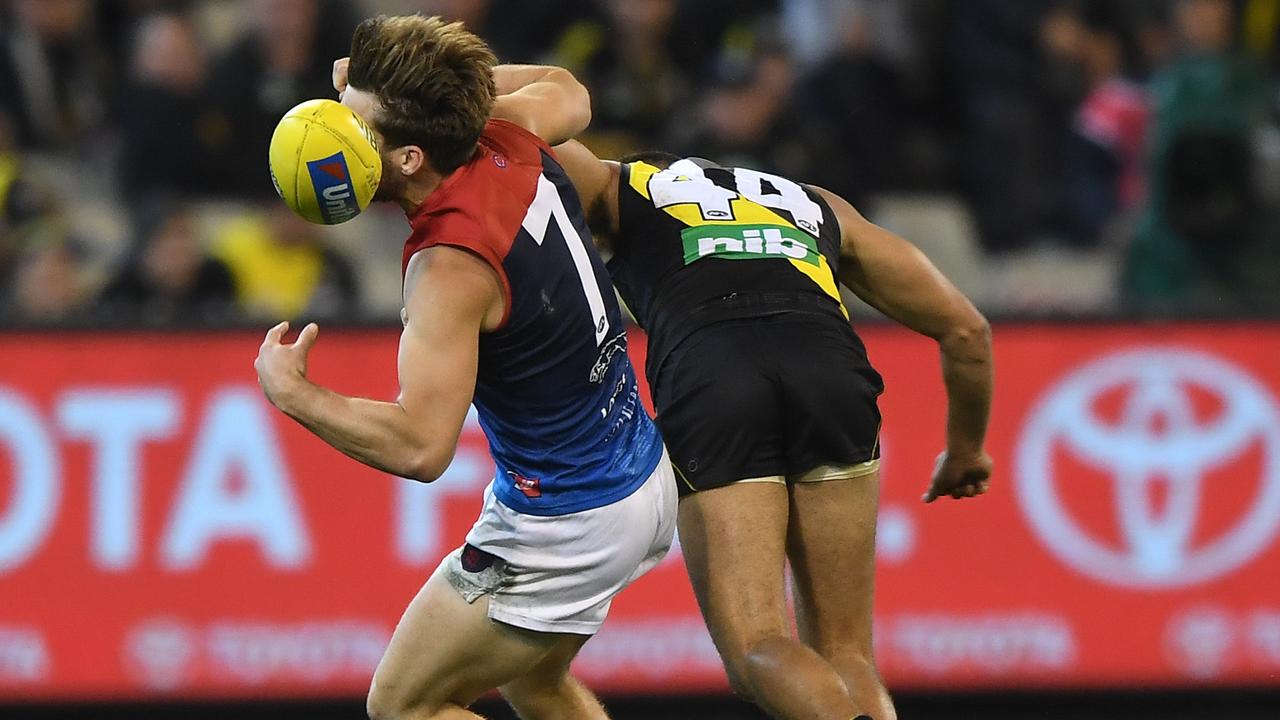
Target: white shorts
559, 573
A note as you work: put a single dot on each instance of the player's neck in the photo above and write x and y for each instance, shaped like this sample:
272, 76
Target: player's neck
418, 189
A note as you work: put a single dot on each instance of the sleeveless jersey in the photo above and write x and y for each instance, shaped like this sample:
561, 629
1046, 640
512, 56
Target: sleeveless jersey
700, 244
555, 390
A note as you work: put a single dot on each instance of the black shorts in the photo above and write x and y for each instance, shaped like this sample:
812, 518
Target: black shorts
758, 397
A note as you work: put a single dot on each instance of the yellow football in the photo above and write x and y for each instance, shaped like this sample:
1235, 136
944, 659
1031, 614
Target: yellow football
324, 162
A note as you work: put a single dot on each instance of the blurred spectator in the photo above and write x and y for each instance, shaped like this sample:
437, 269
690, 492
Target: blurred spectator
50, 282
701, 30
283, 269
1157, 39
1011, 119
10, 191
738, 116
854, 95
285, 57
1103, 169
749, 117
1198, 239
169, 278
817, 29
624, 56
1261, 31
173, 140
9, 168
54, 74
117, 22
517, 30
22, 204
813, 28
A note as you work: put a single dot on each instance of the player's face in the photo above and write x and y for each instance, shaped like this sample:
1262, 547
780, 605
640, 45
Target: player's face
391, 185
365, 105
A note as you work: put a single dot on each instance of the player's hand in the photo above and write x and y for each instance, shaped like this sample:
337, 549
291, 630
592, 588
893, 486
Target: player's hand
340, 74
282, 367
960, 476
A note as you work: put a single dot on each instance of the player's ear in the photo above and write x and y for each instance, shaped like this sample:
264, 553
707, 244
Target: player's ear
410, 159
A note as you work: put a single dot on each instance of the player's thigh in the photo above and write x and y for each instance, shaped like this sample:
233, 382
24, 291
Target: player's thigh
446, 650
734, 544
831, 545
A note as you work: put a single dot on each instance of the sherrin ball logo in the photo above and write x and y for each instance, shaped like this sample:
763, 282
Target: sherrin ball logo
332, 185
324, 162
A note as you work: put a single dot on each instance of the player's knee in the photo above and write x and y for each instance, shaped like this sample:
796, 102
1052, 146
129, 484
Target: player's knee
747, 661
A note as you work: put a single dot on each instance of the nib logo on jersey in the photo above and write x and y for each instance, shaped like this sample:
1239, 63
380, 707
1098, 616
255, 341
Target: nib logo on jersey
332, 182
748, 242
1153, 468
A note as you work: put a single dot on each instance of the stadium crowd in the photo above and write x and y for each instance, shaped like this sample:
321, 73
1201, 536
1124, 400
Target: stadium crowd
1076, 157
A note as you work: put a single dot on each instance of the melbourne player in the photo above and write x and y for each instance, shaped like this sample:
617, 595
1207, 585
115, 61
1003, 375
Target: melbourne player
508, 305
767, 403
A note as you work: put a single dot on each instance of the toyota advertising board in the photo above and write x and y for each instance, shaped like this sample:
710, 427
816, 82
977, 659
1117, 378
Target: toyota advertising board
165, 533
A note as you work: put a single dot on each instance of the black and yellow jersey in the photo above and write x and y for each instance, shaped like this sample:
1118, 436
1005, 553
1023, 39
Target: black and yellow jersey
700, 244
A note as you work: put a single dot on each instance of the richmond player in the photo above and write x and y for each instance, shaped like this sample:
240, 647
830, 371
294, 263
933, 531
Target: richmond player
767, 403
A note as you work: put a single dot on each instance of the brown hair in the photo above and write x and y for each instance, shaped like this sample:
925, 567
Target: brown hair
433, 80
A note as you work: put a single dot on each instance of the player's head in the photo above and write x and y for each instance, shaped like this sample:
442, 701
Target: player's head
426, 87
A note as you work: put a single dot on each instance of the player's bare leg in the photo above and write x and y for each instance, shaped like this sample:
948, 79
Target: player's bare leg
445, 653
549, 692
734, 542
831, 545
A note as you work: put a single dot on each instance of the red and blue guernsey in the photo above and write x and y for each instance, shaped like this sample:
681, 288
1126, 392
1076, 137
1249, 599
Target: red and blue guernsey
555, 390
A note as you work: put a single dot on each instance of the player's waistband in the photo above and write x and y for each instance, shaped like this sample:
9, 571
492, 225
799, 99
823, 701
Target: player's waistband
667, 319
670, 325
765, 300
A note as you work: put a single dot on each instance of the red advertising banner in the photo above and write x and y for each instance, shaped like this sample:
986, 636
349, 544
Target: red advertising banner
165, 533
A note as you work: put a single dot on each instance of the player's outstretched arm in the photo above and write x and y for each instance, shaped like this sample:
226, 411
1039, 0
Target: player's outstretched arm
893, 276
547, 101
416, 436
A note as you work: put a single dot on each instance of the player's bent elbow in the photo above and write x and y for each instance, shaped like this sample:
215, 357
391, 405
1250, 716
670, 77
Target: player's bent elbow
577, 104
583, 118
969, 339
426, 466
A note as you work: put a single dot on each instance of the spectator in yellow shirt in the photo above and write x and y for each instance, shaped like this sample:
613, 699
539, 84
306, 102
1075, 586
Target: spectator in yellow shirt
283, 269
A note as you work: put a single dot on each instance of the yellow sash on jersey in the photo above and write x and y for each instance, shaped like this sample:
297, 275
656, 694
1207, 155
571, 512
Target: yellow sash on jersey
745, 212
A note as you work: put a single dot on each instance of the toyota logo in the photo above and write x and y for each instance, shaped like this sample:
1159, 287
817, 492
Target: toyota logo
1157, 438
160, 653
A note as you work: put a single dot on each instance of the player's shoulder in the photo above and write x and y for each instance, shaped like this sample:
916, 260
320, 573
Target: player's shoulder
503, 171
482, 204
515, 142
